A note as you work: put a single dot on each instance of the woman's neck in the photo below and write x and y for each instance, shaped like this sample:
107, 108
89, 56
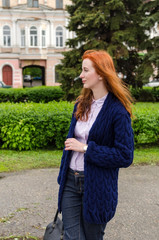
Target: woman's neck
97, 94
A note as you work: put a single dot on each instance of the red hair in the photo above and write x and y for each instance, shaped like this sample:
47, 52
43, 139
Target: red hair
104, 66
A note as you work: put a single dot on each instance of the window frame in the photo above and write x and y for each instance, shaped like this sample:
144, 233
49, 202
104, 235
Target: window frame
59, 4
33, 37
23, 41
6, 37
56, 74
33, 3
6, 3
59, 37
43, 36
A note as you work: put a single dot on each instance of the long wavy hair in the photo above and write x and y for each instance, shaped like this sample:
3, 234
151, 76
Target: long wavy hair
104, 66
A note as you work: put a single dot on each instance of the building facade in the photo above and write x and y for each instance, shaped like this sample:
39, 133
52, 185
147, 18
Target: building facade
32, 34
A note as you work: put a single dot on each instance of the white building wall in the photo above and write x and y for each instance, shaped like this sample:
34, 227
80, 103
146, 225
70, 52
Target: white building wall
18, 17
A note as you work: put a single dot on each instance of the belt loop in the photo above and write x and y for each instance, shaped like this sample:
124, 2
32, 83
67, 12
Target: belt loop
76, 179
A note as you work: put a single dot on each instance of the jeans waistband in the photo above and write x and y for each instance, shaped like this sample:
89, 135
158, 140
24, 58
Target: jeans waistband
76, 173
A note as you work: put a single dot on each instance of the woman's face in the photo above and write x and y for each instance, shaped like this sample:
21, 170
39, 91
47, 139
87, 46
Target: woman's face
90, 78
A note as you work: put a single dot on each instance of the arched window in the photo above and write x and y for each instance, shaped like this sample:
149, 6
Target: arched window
6, 36
33, 36
59, 37
59, 4
33, 3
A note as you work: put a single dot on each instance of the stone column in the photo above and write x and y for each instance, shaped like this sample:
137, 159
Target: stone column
52, 40
14, 35
40, 36
27, 36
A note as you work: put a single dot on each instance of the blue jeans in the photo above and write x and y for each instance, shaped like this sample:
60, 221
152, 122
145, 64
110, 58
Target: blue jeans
75, 227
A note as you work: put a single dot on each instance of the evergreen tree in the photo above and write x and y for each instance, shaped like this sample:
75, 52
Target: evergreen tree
150, 22
112, 25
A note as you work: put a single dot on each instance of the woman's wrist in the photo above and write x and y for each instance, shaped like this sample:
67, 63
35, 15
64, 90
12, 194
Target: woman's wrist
85, 148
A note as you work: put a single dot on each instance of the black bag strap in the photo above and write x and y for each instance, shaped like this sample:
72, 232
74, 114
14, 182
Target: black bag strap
56, 215
54, 223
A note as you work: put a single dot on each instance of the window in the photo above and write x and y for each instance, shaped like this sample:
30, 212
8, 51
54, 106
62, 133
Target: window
33, 36
59, 37
59, 3
43, 38
23, 37
6, 36
6, 3
33, 3
57, 76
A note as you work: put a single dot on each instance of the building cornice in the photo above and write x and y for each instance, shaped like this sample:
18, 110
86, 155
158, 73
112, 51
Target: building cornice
41, 8
53, 13
25, 7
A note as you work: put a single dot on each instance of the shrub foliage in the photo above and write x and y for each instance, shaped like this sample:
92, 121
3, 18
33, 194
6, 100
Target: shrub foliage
25, 126
146, 123
46, 94
146, 94
36, 94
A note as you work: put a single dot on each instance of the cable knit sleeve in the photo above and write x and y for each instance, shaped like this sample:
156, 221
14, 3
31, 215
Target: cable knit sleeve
120, 154
66, 154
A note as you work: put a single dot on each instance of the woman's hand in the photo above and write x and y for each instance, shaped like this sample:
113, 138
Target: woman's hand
73, 144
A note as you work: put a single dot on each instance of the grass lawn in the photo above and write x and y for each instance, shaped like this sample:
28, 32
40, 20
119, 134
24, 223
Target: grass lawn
149, 155
146, 106
20, 238
11, 160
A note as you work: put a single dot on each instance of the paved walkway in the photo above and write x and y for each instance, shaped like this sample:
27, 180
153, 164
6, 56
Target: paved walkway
28, 202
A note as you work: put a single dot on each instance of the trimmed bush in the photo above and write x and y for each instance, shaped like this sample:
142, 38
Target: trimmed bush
47, 94
155, 92
146, 94
146, 123
29, 126
36, 94
25, 126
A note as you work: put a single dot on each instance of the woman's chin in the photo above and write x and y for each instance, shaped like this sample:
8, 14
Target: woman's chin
85, 85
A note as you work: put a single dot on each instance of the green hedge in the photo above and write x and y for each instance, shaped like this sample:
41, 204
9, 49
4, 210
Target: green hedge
146, 94
25, 126
46, 94
146, 123
36, 94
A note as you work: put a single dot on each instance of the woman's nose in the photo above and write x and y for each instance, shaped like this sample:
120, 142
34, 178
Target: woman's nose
81, 75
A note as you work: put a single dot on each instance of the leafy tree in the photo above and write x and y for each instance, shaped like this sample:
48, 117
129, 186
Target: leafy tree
33, 71
150, 22
113, 25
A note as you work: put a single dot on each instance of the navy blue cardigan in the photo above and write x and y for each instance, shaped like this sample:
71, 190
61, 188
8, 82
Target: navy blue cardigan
110, 147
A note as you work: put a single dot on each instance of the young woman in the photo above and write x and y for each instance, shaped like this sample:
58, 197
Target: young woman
99, 142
